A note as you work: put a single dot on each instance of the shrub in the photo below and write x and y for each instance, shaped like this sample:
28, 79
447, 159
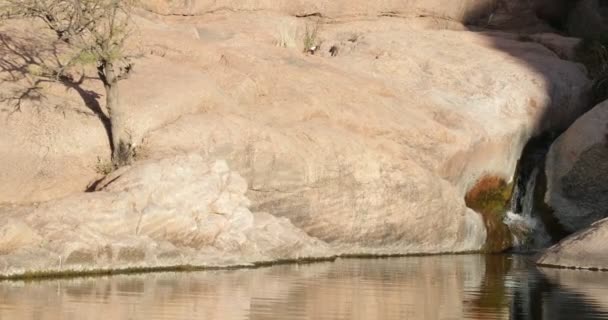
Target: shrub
104, 167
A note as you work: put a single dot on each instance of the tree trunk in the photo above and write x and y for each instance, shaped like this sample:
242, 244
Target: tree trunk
121, 138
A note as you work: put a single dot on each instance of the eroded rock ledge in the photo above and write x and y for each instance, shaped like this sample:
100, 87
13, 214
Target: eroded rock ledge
181, 211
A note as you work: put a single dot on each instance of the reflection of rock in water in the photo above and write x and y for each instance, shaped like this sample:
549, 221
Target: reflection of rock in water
537, 297
437, 287
493, 297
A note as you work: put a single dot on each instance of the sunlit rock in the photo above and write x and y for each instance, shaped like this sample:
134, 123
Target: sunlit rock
180, 211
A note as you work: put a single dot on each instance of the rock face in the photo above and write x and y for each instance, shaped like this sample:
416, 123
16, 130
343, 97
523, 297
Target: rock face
456, 10
577, 167
368, 148
582, 18
174, 212
375, 147
585, 249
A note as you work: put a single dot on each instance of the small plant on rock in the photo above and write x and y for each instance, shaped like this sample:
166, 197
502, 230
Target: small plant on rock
311, 41
104, 167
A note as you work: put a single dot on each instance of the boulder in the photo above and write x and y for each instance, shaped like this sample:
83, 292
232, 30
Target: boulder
369, 148
181, 211
373, 148
585, 249
576, 169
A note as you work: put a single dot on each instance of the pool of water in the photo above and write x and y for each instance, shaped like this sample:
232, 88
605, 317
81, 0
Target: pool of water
435, 287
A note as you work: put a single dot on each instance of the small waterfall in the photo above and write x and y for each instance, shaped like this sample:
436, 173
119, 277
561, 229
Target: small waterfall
528, 230
524, 219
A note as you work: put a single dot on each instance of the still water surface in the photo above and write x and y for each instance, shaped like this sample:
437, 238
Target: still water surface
437, 287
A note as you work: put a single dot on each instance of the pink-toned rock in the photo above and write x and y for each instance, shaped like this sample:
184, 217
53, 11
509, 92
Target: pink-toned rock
447, 9
174, 212
368, 149
362, 148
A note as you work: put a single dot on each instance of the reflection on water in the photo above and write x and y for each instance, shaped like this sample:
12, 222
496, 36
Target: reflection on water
438, 287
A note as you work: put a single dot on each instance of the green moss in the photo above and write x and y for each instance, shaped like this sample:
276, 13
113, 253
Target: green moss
490, 197
495, 201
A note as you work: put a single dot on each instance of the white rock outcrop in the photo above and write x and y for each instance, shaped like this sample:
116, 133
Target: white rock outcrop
181, 211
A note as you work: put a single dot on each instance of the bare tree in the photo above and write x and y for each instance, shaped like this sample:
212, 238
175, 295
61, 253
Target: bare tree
95, 31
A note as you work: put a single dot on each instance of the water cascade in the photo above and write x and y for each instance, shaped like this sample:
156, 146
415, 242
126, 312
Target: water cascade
528, 231
530, 220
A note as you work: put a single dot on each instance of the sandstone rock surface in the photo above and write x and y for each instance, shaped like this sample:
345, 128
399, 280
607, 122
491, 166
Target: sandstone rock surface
181, 211
369, 150
577, 171
585, 249
455, 10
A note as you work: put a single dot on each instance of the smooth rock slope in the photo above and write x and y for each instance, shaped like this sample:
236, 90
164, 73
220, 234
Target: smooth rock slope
366, 150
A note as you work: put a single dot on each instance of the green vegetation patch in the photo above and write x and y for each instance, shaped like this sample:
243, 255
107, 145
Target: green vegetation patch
490, 197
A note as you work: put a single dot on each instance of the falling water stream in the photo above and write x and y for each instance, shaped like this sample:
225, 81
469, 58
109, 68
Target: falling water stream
531, 223
528, 231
